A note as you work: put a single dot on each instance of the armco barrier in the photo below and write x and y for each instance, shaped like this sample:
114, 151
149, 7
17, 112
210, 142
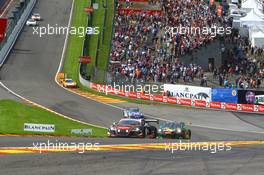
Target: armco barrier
18, 28
180, 101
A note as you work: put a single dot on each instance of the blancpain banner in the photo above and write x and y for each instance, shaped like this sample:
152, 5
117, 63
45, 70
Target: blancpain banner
39, 127
189, 92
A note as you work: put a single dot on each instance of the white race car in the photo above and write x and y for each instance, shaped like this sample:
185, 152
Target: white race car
36, 17
31, 22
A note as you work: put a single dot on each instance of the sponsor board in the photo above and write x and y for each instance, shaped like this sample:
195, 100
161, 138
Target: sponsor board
224, 95
200, 103
189, 92
260, 108
206, 92
231, 106
172, 100
145, 96
216, 105
85, 59
247, 107
251, 97
93, 86
82, 131
185, 102
122, 93
158, 98
39, 127
132, 94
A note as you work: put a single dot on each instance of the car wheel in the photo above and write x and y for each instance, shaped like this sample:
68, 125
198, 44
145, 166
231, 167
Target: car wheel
144, 133
153, 132
174, 136
187, 134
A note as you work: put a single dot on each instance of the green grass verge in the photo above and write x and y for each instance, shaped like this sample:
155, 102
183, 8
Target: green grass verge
104, 40
75, 42
13, 115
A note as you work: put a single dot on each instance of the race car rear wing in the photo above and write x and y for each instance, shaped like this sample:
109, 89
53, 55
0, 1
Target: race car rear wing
152, 121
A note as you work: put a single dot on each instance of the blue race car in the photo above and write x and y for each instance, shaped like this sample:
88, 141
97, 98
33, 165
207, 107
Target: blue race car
133, 113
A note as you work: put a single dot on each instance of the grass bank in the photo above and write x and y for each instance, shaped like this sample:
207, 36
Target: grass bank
75, 42
13, 115
101, 18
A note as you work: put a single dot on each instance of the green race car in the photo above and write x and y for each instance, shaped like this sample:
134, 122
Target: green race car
174, 130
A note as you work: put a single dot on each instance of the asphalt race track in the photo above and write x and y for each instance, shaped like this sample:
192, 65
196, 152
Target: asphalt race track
241, 161
30, 72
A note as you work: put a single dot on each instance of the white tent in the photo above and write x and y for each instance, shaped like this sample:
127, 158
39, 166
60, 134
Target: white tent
257, 39
249, 5
259, 8
252, 19
256, 36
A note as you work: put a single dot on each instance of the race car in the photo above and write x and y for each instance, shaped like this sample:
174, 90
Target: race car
127, 127
36, 17
31, 22
69, 83
133, 113
174, 130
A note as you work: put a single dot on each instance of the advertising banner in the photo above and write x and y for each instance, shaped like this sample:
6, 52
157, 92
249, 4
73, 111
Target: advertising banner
231, 106
132, 94
189, 92
82, 131
260, 108
224, 95
39, 127
200, 103
158, 98
85, 59
172, 100
3, 25
185, 102
247, 107
145, 96
216, 105
251, 97
93, 86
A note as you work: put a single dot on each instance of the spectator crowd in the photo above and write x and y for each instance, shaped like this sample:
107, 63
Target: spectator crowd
144, 51
245, 68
